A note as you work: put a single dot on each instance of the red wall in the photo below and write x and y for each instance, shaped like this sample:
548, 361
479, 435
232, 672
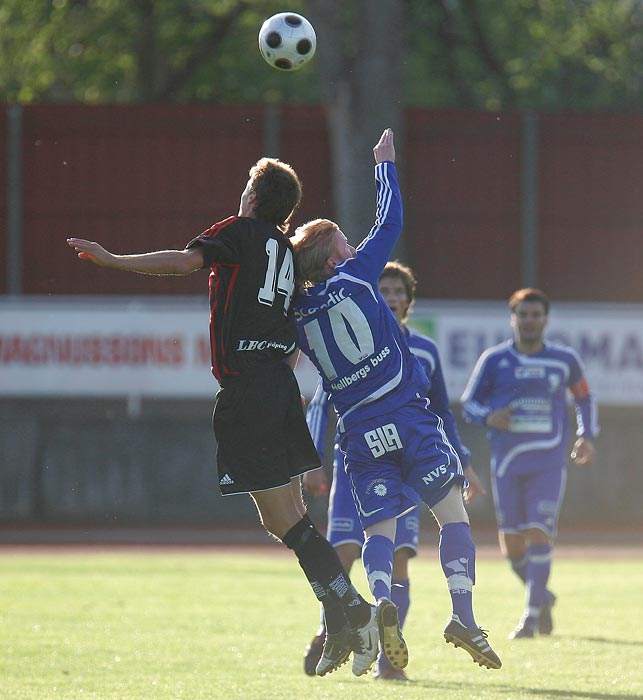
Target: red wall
591, 206
140, 178
462, 199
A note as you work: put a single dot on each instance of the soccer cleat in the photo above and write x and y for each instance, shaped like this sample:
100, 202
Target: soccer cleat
313, 653
525, 629
337, 649
474, 641
545, 622
384, 672
365, 644
391, 640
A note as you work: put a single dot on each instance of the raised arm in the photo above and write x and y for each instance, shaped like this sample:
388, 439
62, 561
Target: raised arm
375, 250
160, 262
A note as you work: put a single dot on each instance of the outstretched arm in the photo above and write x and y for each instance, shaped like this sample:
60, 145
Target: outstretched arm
160, 262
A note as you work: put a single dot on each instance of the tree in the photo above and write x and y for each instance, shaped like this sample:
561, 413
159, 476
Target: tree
360, 60
536, 54
540, 54
144, 51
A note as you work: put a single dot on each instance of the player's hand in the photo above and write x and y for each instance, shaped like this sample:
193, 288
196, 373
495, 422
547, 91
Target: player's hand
583, 451
500, 419
385, 148
315, 482
88, 250
475, 487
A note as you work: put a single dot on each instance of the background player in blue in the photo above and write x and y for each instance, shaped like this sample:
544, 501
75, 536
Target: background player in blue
397, 286
518, 390
391, 439
253, 337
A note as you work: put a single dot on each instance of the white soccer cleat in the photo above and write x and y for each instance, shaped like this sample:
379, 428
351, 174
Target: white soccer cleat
365, 644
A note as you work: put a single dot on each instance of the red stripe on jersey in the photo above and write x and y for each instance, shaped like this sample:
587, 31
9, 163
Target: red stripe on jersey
216, 229
219, 368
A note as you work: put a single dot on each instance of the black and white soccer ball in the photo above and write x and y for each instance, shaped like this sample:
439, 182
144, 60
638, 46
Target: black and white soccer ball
287, 41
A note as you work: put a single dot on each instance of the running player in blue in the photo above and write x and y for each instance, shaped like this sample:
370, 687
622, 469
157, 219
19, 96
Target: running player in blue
395, 446
518, 390
397, 285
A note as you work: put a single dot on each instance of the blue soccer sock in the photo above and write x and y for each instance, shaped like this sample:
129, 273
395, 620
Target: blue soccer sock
400, 595
377, 557
538, 570
400, 590
519, 567
458, 559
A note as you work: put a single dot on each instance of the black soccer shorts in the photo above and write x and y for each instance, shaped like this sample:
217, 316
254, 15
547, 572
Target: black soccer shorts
260, 427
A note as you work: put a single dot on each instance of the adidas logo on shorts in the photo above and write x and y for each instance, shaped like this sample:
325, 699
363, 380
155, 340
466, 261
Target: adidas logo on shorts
226, 480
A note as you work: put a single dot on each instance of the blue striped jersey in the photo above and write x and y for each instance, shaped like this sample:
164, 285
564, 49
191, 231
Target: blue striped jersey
347, 330
536, 387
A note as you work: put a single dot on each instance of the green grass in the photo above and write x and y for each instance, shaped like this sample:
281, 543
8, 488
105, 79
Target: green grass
155, 626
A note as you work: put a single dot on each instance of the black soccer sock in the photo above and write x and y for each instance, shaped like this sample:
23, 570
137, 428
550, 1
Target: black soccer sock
333, 617
306, 518
333, 612
330, 583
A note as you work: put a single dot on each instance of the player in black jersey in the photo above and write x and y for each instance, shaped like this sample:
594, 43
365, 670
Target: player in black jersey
263, 443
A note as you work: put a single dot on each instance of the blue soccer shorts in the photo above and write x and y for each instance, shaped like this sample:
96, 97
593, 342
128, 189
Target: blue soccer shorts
525, 501
344, 526
394, 458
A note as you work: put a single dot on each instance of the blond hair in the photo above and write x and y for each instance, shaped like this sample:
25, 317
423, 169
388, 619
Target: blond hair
312, 243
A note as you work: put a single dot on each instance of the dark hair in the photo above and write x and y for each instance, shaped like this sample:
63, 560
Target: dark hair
404, 273
528, 294
278, 191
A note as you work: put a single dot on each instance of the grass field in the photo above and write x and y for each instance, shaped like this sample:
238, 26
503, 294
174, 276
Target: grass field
208, 625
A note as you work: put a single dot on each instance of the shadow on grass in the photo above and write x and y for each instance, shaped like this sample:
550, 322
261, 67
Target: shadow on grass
548, 693
602, 640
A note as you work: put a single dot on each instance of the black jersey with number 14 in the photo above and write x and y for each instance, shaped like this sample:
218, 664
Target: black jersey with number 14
251, 286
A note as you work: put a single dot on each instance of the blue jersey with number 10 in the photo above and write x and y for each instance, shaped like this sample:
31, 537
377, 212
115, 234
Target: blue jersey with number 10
347, 330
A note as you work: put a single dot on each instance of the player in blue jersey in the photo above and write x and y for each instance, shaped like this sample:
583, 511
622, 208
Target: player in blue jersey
397, 285
395, 446
518, 390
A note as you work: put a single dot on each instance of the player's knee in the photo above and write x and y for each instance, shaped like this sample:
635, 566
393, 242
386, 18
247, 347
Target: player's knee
536, 536
451, 508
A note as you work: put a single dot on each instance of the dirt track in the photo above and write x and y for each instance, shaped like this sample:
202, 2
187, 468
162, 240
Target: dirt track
586, 543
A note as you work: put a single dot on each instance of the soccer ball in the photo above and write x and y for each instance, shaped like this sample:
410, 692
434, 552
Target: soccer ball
287, 41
